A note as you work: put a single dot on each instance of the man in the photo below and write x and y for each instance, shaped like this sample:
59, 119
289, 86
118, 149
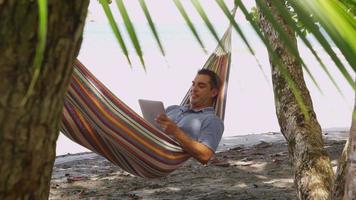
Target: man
195, 126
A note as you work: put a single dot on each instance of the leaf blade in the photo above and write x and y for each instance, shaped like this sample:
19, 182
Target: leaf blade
152, 25
115, 28
206, 20
131, 30
296, 92
41, 45
302, 14
192, 28
285, 39
287, 16
227, 13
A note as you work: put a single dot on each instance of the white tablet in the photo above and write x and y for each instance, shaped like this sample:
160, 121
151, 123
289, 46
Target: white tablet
150, 110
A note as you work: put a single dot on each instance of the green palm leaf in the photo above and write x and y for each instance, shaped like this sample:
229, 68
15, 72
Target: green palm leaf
307, 20
288, 17
296, 92
131, 30
226, 11
41, 45
115, 28
189, 23
285, 39
207, 22
338, 23
152, 25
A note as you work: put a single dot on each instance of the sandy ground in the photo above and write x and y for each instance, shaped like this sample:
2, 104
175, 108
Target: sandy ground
259, 170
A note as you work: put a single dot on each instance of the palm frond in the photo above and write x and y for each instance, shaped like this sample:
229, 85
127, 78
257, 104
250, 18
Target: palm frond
285, 39
152, 25
237, 28
338, 23
296, 92
41, 45
207, 22
307, 20
192, 28
289, 19
330, 14
131, 30
115, 28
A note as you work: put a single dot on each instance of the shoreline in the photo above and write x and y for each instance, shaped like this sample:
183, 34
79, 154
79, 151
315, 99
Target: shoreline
66, 143
227, 143
258, 169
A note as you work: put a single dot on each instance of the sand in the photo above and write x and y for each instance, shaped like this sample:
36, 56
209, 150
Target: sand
243, 169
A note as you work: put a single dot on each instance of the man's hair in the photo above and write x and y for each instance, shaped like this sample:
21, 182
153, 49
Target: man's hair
215, 81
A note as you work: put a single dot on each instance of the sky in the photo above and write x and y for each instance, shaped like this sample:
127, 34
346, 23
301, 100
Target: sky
250, 104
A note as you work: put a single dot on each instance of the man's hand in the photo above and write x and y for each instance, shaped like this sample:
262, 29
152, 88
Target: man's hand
167, 124
196, 149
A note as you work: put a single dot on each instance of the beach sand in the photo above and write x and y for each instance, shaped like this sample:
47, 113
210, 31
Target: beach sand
247, 167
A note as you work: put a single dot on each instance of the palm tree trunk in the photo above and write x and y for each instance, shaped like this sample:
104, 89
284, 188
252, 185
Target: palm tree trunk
345, 182
350, 169
311, 164
28, 133
339, 186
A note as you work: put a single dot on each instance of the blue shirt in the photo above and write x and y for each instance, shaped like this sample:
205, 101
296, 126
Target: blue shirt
200, 125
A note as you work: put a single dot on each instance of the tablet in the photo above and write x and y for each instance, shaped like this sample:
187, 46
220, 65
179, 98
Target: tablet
150, 110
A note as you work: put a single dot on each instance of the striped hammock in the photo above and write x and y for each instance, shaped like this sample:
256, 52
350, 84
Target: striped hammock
94, 118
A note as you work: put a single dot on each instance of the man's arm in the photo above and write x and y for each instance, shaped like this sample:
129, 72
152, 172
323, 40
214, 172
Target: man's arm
196, 149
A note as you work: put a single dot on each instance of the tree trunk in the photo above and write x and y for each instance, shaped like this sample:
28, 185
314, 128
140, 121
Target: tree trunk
28, 133
350, 169
339, 186
345, 183
311, 164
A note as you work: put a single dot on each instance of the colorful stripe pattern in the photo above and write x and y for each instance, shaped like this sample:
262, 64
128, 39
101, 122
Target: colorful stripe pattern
96, 119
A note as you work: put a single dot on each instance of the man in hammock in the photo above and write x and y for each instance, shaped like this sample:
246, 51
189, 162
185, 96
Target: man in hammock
195, 126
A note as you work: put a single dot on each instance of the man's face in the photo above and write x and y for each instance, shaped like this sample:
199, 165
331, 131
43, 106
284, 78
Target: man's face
201, 93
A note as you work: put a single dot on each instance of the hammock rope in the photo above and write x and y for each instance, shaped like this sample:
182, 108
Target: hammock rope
96, 119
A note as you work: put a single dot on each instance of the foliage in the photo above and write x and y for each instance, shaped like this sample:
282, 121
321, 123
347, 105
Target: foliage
331, 22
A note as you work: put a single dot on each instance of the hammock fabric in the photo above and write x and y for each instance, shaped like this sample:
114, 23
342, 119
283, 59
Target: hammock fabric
94, 118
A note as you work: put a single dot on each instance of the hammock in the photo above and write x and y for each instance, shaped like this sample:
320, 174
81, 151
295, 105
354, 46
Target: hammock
94, 118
